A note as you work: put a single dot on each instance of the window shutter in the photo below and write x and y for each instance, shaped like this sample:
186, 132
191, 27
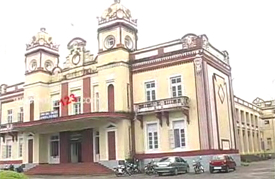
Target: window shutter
171, 139
4, 151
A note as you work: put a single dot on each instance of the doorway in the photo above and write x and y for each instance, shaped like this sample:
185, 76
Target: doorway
76, 152
30, 151
111, 145
76, 148
96, 146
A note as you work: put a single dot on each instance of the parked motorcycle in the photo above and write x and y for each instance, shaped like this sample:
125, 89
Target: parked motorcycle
149, 168
122, 169
134, 167
198, 168
11, 167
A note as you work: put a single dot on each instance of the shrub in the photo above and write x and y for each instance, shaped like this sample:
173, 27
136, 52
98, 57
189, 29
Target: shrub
12, 175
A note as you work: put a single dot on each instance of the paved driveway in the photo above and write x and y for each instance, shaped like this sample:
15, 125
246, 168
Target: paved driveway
257, 170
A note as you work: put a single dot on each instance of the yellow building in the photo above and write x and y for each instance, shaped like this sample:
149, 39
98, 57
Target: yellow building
255, 126
173, 98
268, 126
249, 127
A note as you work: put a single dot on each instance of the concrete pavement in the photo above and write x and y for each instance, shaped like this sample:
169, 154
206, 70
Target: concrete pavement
257, 170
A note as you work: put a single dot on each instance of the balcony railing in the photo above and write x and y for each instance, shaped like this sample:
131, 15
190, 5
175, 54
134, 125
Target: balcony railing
6, 127
151, 106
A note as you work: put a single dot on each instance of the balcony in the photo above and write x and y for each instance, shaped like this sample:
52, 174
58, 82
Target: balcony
162, 108
8, 129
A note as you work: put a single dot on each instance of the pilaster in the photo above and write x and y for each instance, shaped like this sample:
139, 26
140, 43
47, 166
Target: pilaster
201, 103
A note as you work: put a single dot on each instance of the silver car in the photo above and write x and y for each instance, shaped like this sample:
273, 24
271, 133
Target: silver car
171, 165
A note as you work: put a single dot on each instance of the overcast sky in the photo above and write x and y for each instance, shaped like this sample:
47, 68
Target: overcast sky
244, 28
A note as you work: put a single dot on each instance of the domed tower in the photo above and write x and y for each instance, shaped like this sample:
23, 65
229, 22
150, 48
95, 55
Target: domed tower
41, 60
117, 38
41, 54
117, 28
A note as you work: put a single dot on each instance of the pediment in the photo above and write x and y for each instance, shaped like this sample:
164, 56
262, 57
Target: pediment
258, 101
78, 55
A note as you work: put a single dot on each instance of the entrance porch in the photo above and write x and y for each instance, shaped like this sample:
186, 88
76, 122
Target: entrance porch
79, 141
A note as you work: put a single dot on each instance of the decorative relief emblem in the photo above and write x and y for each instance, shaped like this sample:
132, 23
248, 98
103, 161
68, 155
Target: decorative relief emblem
78, 53
226, 56
3, 88
189, 41
205, 43
221, 93
198, 64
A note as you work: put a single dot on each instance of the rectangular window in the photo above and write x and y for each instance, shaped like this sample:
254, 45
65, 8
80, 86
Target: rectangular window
269, 144
242, 117
8, 148
128, 95
97, 101
21, 147
247, 119
54, 144
179, 134
21, 114
150, 90
10, 116
256, 121
237, 115
56, 105
176, 86
97, 144
152, 136
77, 106
252, 120
95, 98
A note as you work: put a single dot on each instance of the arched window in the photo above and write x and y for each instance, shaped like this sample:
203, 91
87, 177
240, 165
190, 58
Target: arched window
111, 98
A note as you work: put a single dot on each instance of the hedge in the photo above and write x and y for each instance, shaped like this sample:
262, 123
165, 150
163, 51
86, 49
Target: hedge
12, 175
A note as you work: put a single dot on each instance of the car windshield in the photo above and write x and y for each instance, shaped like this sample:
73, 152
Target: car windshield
167, 159
219, 157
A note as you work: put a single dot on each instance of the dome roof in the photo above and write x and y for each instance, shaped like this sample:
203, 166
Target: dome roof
42, 38
116, 11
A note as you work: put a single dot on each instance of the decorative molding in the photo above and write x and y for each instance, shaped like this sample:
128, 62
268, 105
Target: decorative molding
112, 65
198, 63
170, 57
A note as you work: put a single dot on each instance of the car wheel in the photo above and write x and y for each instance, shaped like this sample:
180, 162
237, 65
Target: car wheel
176, 171
227, 169
211, 170
187, 169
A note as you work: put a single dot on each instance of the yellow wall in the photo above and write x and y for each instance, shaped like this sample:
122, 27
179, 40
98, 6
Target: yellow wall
15, 148
192, 134
15, 107
161, 77
225, 122
163, 92
248, 145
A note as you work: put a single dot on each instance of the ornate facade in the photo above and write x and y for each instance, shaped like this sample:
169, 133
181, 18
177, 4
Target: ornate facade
174, 98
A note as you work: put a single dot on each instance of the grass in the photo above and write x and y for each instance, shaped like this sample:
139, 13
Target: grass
12, 175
